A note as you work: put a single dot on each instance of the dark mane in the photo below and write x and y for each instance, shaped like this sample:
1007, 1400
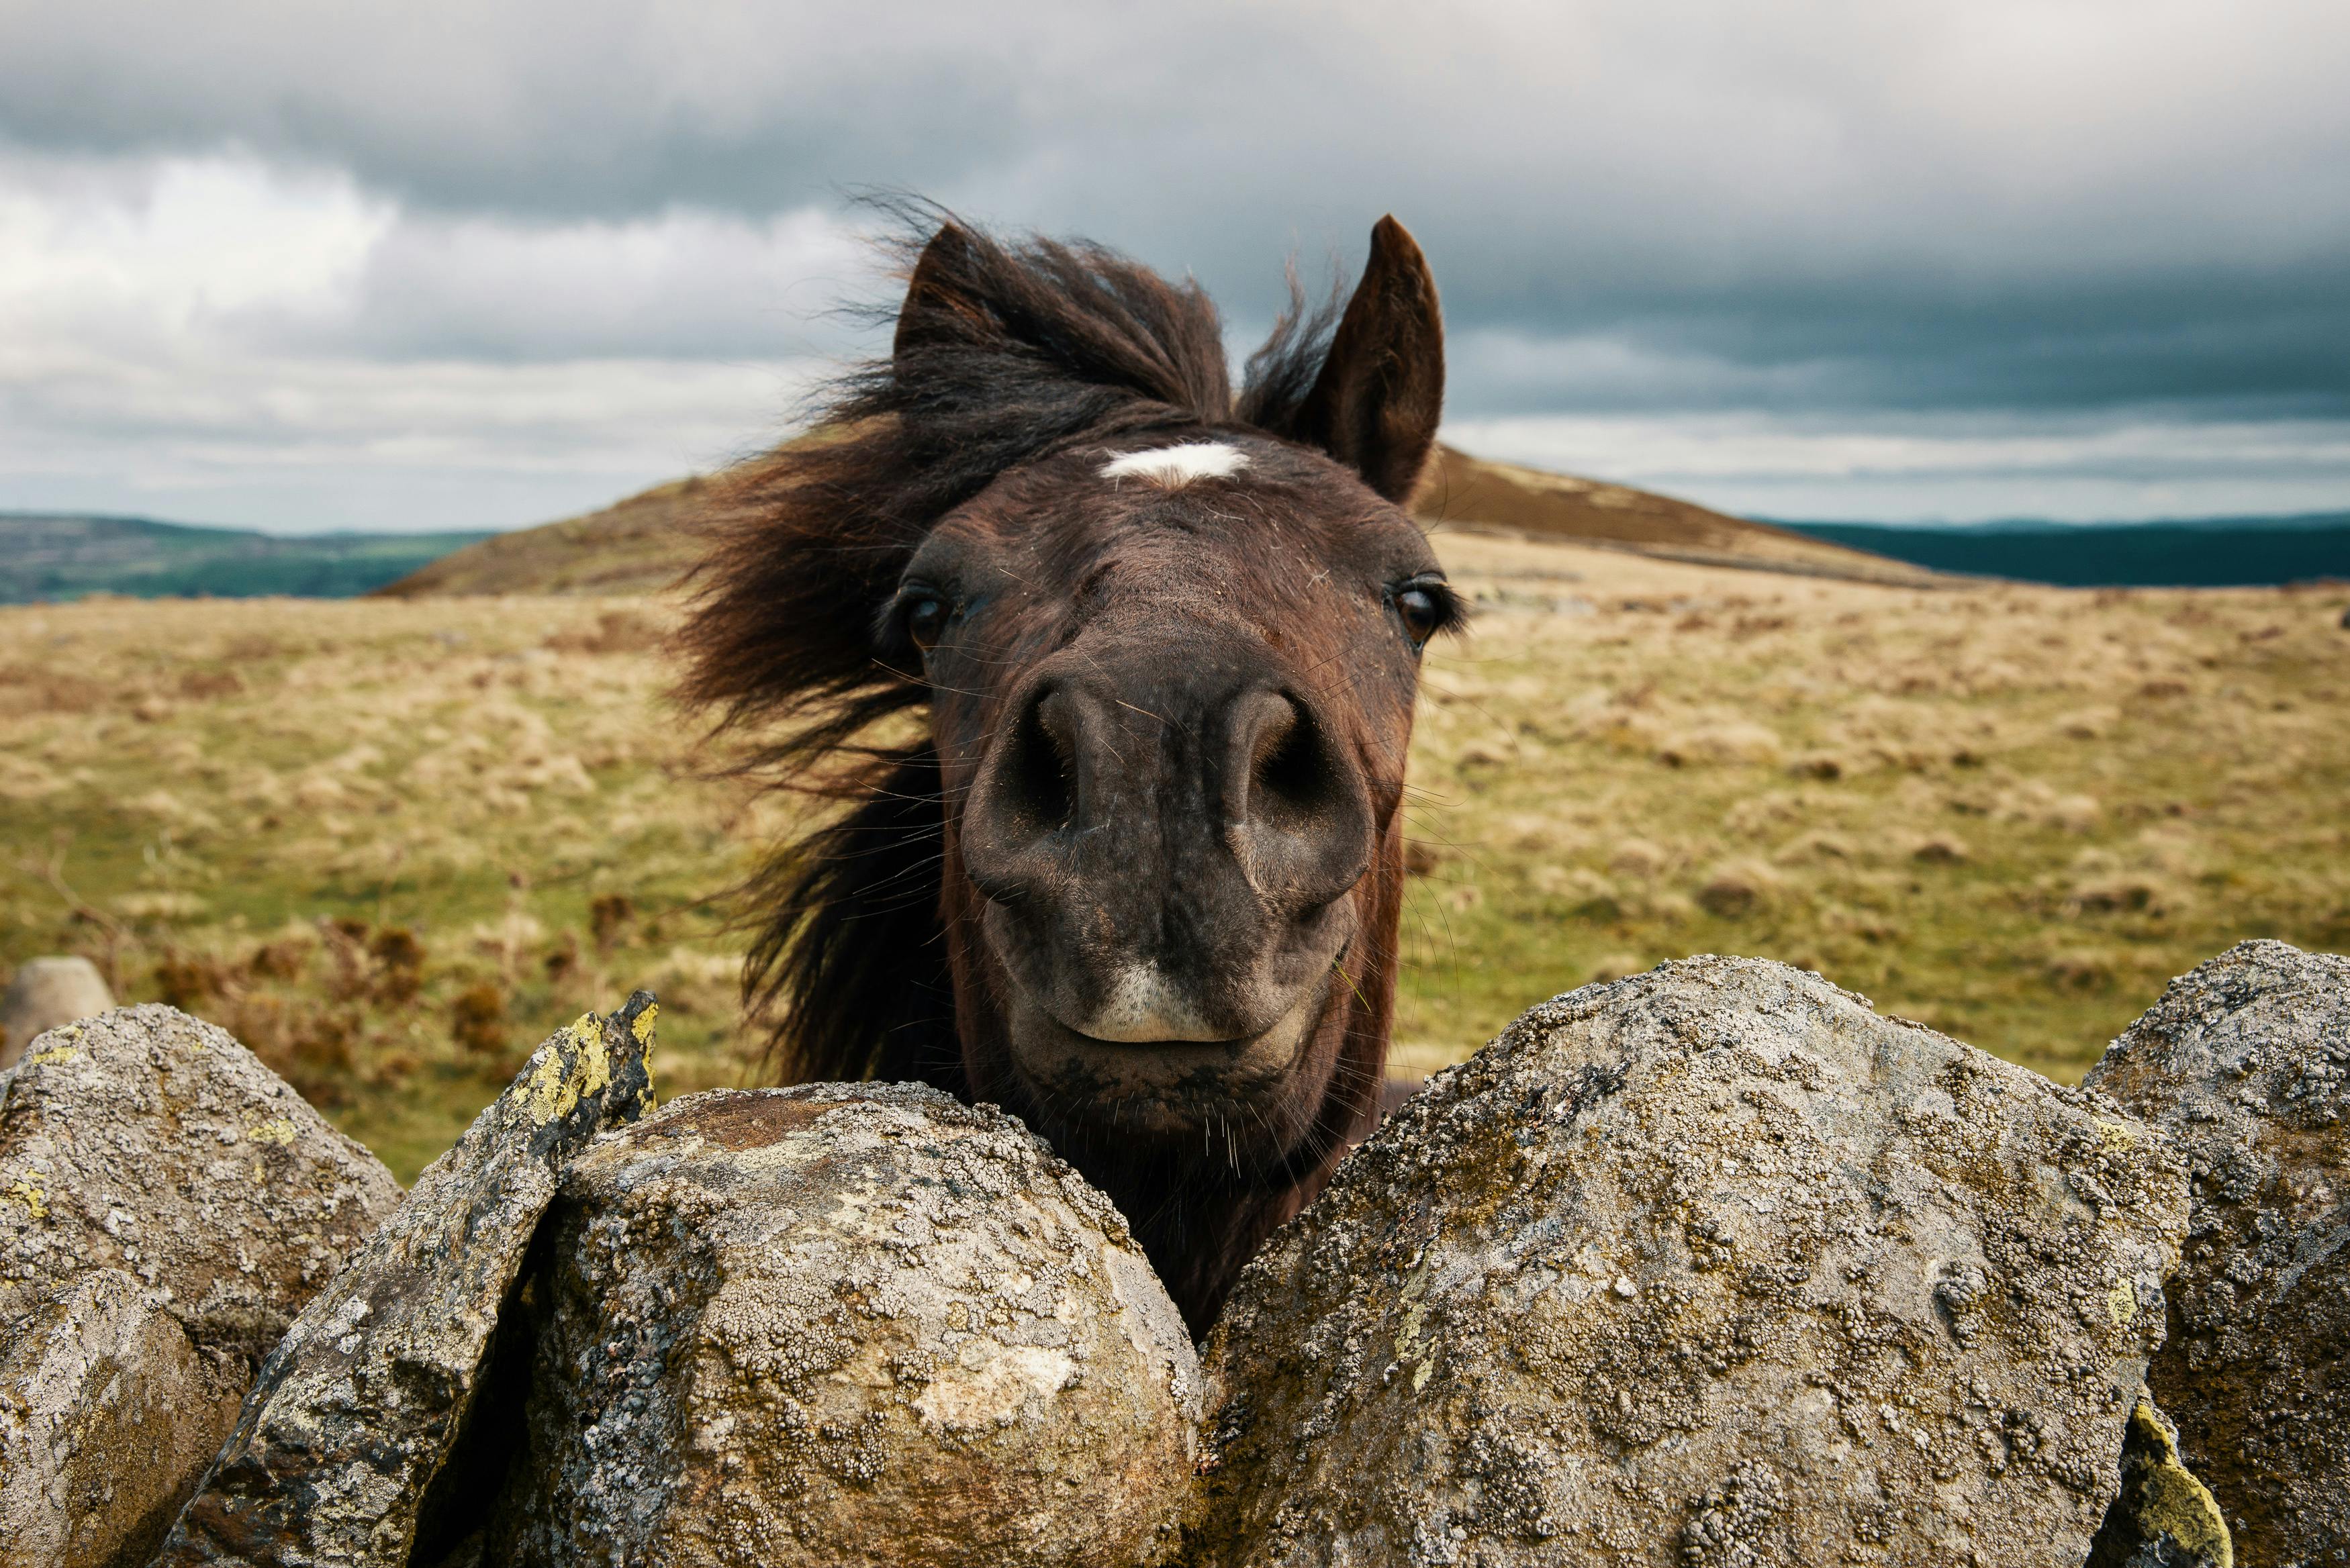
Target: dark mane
1006, 349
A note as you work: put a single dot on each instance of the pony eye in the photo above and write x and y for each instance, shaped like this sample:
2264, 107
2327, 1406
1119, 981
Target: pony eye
1425, 608
926, 622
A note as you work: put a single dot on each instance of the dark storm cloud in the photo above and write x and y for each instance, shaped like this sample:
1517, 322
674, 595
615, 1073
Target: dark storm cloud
2071, 215
2040, 205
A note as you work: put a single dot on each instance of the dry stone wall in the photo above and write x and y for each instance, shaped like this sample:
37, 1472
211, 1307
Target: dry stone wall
361, 1408
1709, 1266
167, 1205
2244, 1064
849, 1325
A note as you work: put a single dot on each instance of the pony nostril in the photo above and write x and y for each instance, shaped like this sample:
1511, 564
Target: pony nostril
1299, 820
1040, 774
1026, 795
1288, 776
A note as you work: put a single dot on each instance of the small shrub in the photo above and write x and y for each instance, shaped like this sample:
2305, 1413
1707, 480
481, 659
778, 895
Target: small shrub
562, 960
608, 918
187, 980
477, 1019
399, 965
279, 961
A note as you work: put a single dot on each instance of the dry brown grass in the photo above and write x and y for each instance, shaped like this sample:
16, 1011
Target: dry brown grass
2012, 811
392, 843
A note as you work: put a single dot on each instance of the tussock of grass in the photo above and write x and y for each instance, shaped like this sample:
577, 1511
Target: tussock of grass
392, 844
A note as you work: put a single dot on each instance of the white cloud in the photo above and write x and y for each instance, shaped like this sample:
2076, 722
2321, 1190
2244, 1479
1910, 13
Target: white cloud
224, 339
1945, 467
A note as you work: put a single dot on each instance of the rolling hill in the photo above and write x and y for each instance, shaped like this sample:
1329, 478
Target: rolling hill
633, 546
1477, 493
638, 544
64, 556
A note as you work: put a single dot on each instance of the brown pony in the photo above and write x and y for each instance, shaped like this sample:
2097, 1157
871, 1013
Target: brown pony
1137, 878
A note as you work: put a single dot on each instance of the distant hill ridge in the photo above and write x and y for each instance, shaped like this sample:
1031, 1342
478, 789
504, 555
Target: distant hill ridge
640, 544
2201, 551
48, 556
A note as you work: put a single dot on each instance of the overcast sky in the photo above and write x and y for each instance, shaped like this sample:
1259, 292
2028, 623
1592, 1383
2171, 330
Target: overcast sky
481, 262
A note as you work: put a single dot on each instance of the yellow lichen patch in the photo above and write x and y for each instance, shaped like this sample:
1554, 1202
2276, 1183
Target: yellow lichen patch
276, 1130
595, 1063
1407, 1339
2172, 1502
23, 1191
558, 1079
2121, 1303
643, 1031
55, 1053
2117, 1135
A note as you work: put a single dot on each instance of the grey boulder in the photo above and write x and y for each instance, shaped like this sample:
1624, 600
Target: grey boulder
167, 1205
107, 1414
152, 1142
849, 1325
2245, 1064
347, 1452
1712, 1265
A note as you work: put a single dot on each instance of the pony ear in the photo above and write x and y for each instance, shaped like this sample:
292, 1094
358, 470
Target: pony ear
939, 302
1375, 406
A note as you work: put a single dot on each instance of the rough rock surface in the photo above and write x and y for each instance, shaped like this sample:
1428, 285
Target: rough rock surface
2163, 1517
107, 1414
2245, 1064
167, 1205
1708, 1266
847, 1324
44, 993
149, 1141
358, 1411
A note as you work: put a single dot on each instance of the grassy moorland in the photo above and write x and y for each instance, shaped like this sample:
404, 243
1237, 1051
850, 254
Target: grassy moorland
390, 844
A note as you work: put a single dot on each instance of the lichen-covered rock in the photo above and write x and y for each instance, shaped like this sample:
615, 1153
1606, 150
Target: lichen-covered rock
149, 1141
356, 1413
2162, 1516
847, 1324
107, 1414
167, 1205
2245, 1064
1708, 1266
44, 993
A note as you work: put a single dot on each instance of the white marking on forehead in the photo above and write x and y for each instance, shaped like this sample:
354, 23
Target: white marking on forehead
1173, 467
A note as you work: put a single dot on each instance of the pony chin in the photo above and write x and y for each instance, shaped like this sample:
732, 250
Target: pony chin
1166, 1092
